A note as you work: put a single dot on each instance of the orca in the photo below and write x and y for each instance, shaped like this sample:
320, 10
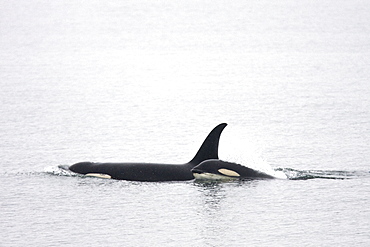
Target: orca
220, 170
151, 172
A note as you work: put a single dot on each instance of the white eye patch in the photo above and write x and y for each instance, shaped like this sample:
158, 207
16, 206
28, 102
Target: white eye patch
228, 172
98, 175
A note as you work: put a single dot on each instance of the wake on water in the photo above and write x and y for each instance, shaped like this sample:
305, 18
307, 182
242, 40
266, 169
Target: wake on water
248, 154
293, 174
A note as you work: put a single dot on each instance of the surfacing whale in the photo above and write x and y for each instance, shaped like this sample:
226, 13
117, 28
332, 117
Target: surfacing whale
151, 172
219, 170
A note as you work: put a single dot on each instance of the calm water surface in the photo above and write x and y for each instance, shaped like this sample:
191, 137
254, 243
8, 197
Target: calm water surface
146, 81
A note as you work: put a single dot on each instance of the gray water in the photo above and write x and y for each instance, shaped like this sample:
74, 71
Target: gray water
146, 81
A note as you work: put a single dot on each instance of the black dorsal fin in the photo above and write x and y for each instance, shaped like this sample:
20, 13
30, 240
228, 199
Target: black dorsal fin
209, 148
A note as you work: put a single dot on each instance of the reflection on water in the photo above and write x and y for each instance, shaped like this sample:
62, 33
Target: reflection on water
214, 209
212, 195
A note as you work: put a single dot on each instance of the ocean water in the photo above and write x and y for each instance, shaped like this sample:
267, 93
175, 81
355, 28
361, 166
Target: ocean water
146, 81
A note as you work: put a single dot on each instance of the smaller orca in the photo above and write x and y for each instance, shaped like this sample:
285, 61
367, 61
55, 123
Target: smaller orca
220, 170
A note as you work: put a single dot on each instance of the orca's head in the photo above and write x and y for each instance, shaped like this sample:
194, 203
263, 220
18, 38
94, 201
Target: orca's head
216, 169
81, 167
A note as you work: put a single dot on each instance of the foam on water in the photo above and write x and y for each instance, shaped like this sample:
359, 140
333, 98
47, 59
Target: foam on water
59, 171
